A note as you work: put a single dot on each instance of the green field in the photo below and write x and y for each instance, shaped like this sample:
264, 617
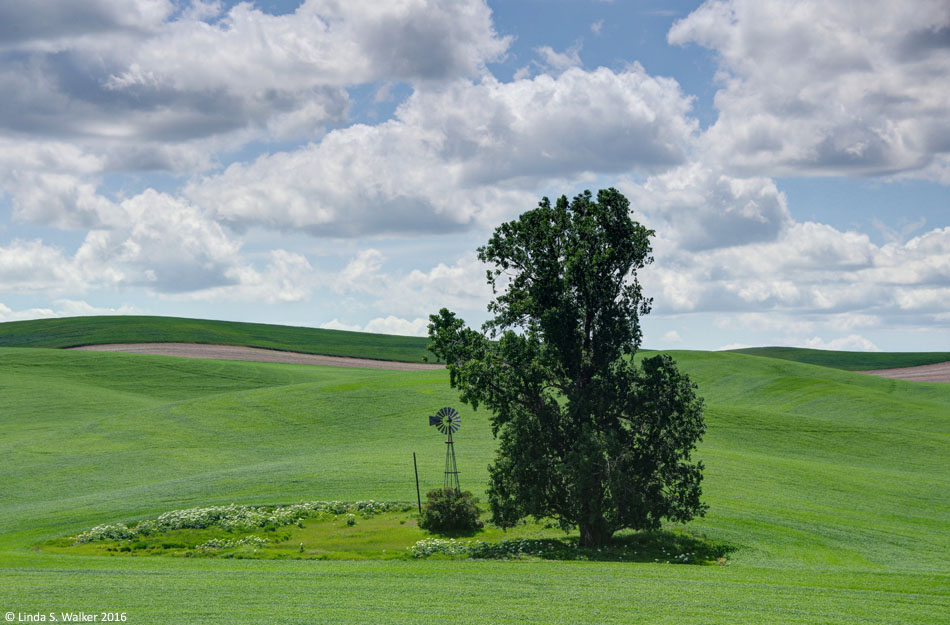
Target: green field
831, 485
849, 361
77, 331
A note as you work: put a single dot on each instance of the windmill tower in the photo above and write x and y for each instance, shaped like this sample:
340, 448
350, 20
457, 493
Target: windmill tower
448, 420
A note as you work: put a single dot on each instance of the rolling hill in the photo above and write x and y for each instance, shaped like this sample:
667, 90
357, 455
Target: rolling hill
848, 361
831, 486
78, 331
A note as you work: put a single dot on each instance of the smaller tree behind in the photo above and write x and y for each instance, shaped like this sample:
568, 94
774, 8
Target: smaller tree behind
585, 436
449, 510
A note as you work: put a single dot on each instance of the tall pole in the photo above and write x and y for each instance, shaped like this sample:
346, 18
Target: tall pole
418, 496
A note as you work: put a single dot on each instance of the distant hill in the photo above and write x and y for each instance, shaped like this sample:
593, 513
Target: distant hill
848, 361
78, 331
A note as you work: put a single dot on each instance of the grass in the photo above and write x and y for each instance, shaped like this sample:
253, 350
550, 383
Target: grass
77, 331
848, 361
394, 533
830, 485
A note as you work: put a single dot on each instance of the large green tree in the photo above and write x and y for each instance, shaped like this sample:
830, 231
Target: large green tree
586, 436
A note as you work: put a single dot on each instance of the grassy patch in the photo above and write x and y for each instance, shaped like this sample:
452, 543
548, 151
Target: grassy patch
333, 533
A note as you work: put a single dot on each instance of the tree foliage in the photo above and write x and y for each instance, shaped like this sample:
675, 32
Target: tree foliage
586, 436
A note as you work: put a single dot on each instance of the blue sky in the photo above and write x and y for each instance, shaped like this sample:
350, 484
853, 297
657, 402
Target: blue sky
336, 164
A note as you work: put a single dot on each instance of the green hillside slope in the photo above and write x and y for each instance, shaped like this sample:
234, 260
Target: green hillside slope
76, 331
848, 361
831, 485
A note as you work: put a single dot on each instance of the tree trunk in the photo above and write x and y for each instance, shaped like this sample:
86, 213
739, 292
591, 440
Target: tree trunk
595, 533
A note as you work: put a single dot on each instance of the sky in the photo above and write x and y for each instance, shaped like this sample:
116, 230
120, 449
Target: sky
337, 163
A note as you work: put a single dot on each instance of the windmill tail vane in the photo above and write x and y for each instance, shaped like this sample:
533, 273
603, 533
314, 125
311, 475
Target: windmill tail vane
448, 420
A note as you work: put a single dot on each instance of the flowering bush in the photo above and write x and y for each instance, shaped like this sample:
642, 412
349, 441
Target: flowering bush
504, 549
443, 546
217, 543
237, 518
115, 531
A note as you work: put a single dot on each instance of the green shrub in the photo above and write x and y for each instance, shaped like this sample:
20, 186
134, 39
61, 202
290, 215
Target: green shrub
449, 510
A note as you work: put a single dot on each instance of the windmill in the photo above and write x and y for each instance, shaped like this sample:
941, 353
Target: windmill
448, 420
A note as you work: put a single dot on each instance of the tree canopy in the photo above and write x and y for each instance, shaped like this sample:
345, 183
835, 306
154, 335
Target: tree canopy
586, 436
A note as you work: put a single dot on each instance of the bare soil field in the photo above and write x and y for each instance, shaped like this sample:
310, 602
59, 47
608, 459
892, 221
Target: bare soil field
233, 352
939, 372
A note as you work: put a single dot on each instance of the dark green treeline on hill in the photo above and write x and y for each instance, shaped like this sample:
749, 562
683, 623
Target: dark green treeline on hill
585, 435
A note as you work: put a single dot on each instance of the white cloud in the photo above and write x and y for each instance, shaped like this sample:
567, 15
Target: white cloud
149, 86
731, 346
697, 207
50, 25
362, 274
672, 337
458, 156
336, 324
764, 322
31, 266
845, 322
52, 182
164, 244
810, 275
384, 325
323, 43
850, 343
822, 88
66, 308
461, 286
395, 325
286, 277
560, 61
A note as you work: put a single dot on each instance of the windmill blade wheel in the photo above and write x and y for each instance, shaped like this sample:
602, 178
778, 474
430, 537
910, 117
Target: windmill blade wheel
450, 420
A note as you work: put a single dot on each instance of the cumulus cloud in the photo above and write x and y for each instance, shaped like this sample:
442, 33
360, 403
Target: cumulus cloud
53, 183
768, 322
66, 308
702, 208
459, 156
384, 325
32, 266
850, 343
286, 277
164, 244
152, 84
841, 279
395, 325
672, 337
820, 88
52, 25
362, 274
336, 324
560, 61
460, 286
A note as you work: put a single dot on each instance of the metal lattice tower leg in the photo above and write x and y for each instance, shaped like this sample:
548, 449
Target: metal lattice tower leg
451, 470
